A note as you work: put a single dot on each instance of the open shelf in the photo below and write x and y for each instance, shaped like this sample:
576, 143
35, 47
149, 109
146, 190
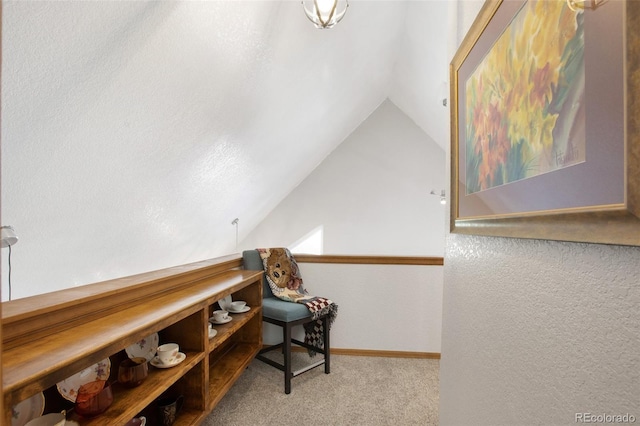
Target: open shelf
187, 417
231, 352
46, 343
225, 331
226, 367
122, 410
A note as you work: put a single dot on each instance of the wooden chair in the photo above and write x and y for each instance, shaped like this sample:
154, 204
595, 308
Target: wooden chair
286, 315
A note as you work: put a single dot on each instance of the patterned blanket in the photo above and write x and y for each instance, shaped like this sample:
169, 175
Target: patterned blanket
285, 282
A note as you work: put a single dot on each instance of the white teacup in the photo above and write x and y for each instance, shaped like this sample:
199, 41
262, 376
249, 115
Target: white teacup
168, 352
220, 316
237, 306
52, 419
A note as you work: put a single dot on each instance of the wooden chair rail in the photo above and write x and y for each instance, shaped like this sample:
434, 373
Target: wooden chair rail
45, 314
369, 259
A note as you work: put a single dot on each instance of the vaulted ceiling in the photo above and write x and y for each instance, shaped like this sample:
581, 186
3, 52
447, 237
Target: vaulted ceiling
157, 123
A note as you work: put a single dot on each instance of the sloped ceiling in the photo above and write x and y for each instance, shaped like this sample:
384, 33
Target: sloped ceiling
133, 133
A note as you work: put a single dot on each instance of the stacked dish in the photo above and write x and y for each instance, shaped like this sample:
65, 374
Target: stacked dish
27, 410
145, 348
69, 387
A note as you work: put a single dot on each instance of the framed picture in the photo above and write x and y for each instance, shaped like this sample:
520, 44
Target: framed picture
545, 122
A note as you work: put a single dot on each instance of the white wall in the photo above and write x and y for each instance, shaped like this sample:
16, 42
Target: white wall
537, 331
381, 307
371, 196
421, 69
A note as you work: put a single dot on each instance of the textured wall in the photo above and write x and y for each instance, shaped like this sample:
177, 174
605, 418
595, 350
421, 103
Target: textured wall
133, 133
536, 331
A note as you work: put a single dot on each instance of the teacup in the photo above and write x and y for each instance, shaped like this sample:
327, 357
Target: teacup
51, 419
220, 316
168, 409
168, 352
94, 398
237, 306
132, 372
137, 421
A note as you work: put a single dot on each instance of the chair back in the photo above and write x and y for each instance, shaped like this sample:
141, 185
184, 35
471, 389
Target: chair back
252, 261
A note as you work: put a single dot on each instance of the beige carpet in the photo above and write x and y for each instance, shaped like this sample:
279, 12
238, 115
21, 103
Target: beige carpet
359, 391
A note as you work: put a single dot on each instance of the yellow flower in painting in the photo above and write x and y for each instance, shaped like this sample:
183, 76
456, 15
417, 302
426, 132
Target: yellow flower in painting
508, 95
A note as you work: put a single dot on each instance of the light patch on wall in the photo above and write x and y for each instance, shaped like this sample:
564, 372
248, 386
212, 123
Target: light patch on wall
311, 243
155, 214
217, 165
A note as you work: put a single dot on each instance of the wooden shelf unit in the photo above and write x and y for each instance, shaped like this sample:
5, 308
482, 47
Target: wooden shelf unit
44, 343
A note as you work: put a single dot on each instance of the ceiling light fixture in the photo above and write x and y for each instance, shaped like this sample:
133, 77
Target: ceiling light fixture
324, 13
576, 5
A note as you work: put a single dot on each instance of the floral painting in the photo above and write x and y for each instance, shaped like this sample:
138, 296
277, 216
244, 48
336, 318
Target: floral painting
524, 100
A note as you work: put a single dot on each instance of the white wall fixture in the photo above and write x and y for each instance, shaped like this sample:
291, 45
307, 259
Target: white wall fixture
8, 236
442, 195
235, 222
444, 93
324, 13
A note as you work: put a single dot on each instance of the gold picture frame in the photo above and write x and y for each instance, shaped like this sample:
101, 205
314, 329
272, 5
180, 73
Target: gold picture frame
596, 200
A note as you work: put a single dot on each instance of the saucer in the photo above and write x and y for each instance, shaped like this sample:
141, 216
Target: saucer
241, 311
145, 348
219, 322
156, 361
212, 333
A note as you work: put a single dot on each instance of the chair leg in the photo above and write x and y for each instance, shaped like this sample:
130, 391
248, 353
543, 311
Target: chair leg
285, 346
288, 374
327, 349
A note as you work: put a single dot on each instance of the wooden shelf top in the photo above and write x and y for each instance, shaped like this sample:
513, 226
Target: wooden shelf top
16, 310
35, 365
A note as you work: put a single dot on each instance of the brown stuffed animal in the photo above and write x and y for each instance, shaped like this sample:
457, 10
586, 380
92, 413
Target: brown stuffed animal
278, 267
